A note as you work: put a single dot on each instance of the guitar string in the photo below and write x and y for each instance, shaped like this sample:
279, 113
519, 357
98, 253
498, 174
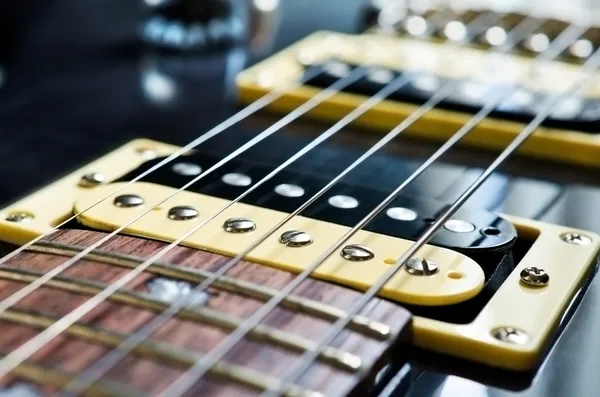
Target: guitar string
307, 106
207, 361
241, 115
103, 365
112, 358
244, 113
592, 65
290, 117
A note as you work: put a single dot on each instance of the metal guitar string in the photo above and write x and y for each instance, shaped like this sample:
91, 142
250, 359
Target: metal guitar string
112, 358
19, 355
259, 104
243, 114
207, 361
20, 294
591, 65
94, 372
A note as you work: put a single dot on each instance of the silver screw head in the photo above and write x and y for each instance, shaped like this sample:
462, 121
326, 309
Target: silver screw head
337, 68
357, 253
455, 31
128, 201
343, 202
19, 217
295, 238
187, 169
415, 25
538, 42
92, 179
306, 57
576, 238
380, 75
237, 179
289, 190
146, 153
402, 214
239, 225
421, 267
510, 335
459, 226
182, 213
582, 48
535, 276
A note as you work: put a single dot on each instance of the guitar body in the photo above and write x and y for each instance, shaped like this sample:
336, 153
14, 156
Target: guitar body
78, 84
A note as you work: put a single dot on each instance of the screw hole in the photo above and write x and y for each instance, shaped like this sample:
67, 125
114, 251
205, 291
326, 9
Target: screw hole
146, 152
455, 275
389, 261
491, 231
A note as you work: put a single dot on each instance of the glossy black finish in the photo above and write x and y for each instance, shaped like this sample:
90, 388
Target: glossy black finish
79, 83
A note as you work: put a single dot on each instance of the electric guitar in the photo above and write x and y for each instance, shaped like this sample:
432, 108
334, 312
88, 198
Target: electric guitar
302, 199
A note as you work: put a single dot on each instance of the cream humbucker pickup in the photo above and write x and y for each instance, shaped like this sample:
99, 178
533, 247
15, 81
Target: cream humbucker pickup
523, 83
511, 327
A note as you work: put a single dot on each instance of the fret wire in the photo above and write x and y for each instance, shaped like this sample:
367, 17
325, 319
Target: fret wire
333, 356
156, 350
360, 324
114, 357
592, 64
50, 376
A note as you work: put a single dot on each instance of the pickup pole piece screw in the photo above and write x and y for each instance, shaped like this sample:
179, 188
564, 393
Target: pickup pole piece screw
295, 238
128, 201
239, 225
182, 213
91, 179
357, 253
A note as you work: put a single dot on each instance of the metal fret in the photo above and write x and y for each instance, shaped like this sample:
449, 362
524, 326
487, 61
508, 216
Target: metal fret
360, 324
49, 376
163, 352
335, 357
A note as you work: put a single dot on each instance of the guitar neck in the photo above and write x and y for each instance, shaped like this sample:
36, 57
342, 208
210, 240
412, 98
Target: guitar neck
348, 365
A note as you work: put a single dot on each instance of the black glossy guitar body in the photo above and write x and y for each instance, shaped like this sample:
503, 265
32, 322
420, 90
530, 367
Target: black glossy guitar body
78, 82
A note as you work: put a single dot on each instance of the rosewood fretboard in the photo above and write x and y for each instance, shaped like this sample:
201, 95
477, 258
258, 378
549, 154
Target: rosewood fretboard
344, 367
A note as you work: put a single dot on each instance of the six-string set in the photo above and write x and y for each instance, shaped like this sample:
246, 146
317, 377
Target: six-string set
527, 26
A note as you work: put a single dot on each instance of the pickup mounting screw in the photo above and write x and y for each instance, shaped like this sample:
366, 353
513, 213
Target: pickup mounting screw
91, 179
421, 267
128, 201
295, 238
357, 253
146, 152
510, 335
19, 217
239, 225
576, 238
535, 276
182, 213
